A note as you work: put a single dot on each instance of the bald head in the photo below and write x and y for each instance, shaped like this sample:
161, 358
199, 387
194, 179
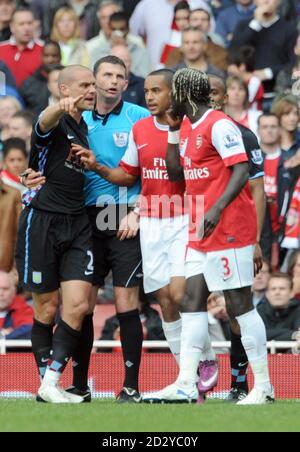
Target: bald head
71, 74
75, 81
7, 290
123, 53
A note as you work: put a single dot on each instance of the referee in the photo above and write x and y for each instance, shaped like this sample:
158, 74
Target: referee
54, 246
109, 128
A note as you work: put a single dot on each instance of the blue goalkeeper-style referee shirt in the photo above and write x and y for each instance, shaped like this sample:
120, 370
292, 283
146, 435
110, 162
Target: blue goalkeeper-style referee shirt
108, 138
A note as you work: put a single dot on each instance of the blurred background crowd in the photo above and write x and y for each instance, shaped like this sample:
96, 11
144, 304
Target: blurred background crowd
254, 45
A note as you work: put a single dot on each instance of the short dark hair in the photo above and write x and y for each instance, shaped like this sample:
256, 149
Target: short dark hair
120, 16
168, 75
267, 115
26, 115
201, 10
280, 275
111, 59
182, 5
22, 9
14, 143
243, 55
50, 42
55, 67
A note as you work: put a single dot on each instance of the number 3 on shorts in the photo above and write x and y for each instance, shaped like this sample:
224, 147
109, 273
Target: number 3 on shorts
226, 268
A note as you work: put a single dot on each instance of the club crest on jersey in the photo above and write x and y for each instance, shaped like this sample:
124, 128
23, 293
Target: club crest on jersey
257, 157
199, 141
231, 141
120, 139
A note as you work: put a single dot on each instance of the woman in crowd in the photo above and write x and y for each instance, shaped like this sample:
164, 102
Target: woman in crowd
66, 31
238, 104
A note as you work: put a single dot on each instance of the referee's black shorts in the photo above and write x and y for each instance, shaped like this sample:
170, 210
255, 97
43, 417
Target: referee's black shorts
124, 258
53, 248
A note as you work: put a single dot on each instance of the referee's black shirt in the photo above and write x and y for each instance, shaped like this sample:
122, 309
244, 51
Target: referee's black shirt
51, 154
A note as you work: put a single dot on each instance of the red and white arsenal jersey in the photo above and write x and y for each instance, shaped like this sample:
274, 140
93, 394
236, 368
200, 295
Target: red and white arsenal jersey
271, 187
213, 146
146, 156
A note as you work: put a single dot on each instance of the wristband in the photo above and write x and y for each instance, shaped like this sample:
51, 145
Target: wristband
174, 137
137, 211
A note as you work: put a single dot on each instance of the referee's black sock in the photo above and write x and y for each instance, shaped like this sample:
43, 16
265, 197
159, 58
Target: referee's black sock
65, 341
239, 364
131, 333
82, 354
41, 338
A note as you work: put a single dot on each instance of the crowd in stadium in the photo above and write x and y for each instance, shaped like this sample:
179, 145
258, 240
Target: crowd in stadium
254, 46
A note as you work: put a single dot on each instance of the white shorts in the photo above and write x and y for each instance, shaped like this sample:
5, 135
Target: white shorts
222, 270
163, 243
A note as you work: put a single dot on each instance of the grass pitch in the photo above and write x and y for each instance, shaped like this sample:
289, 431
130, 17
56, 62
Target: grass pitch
107, 416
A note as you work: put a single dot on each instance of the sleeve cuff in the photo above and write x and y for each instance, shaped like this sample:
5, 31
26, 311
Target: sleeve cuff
40, 133
255, 25
132, 170
269, 73
235, 160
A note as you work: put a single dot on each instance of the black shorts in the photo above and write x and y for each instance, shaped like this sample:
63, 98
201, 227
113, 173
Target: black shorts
53, 248
124, 258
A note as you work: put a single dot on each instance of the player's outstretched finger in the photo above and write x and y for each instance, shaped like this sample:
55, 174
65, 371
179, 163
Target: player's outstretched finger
78, 99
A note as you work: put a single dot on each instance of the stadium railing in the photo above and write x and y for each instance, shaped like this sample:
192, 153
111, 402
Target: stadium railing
19, 376
273, 346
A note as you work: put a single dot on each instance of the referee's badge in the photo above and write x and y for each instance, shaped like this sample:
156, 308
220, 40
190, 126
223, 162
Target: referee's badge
120, 139
37, 278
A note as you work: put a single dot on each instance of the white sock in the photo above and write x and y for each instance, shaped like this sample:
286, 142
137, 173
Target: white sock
172, 332
254, 339
209, 353
51, 378
193, 340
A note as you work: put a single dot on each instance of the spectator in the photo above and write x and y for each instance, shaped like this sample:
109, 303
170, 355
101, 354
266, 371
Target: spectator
280, 312
15, 163
217, 55
157, 32
86, 11
20, 126
22, 54
10, 209
66, 32
135, 91
201, 18
242, 64
218, 320
238, 105
274, 40
294, 272
260, 284
269, 134
8, 107
180, 23
102, 41
286, 108
194, 53
119, 25
16, 316
38, 82
285, 80
7, 8
53, 76
230, 17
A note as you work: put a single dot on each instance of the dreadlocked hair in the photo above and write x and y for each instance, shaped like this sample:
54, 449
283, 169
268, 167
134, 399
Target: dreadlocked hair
193, 86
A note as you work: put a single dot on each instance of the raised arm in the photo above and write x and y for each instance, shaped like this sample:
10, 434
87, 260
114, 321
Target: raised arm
174, 167
51, 116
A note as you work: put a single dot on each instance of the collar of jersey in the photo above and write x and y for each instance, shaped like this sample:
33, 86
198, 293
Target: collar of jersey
104, 118
196, 124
